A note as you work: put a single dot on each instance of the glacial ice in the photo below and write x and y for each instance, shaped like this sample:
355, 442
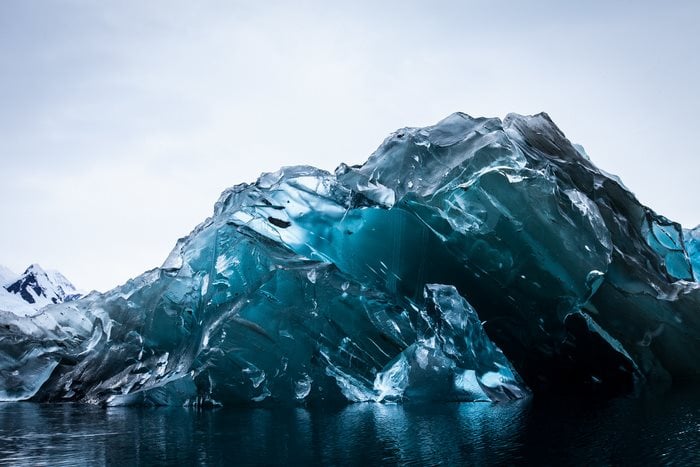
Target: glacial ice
692, 243
476, 259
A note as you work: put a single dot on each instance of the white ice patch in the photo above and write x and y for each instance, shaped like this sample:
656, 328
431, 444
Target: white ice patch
223, 263
393, 382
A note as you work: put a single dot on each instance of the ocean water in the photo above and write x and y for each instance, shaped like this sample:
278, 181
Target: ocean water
650, 430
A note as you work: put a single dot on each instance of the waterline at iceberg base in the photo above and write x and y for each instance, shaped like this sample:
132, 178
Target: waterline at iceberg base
477, 259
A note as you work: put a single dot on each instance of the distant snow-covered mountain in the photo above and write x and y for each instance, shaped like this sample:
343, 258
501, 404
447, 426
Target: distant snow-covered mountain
33, 289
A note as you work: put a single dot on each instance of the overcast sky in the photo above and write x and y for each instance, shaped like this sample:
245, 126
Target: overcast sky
121, 122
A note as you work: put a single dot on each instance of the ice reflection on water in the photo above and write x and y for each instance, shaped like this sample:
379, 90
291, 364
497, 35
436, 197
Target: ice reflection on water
646, 430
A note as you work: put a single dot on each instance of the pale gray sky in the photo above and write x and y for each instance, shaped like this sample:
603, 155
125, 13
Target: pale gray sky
122, 121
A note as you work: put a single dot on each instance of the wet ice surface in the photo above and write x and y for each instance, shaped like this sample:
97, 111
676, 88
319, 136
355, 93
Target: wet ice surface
474, 259
645, 430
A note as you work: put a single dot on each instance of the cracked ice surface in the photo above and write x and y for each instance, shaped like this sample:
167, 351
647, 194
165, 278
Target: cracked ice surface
470, 260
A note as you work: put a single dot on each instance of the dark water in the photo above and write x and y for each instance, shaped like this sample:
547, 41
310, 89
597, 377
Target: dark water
645, 430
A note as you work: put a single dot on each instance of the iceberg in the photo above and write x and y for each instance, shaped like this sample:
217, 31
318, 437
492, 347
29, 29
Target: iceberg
476, 259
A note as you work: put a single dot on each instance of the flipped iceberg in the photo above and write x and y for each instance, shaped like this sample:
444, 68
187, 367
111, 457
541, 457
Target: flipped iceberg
469, 260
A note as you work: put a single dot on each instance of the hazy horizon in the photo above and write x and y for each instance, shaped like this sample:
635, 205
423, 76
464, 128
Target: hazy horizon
122, 122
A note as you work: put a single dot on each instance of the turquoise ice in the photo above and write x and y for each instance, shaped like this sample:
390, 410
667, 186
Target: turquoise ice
476, 259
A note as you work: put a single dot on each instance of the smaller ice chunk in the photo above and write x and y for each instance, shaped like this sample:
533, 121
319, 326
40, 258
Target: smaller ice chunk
452, 359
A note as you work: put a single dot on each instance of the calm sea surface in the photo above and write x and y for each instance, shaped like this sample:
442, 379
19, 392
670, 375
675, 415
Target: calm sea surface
650, 430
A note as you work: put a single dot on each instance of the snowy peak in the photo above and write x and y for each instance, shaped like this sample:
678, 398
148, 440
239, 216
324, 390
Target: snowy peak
40, 287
